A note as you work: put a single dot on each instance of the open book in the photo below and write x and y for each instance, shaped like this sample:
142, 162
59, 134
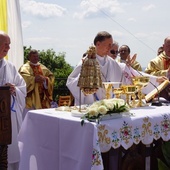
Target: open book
154, 92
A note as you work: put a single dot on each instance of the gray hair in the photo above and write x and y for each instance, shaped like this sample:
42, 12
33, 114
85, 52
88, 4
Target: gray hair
3, 35
115, 43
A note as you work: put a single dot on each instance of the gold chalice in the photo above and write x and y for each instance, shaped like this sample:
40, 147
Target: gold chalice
117, 92
140, 82
108, 88
129, 91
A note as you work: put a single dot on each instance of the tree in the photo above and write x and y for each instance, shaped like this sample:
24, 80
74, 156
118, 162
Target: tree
56, 64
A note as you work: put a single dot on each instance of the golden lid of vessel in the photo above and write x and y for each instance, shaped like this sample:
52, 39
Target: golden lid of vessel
90, 75
140, 80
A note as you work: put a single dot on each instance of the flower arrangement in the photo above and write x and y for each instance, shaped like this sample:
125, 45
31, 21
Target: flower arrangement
104, 107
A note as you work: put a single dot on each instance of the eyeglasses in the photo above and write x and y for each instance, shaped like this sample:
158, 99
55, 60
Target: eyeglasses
114, 52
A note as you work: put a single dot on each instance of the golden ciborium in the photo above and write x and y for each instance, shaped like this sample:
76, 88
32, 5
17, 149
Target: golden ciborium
140, 82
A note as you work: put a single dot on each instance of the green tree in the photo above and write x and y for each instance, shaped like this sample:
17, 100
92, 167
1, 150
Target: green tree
55, 63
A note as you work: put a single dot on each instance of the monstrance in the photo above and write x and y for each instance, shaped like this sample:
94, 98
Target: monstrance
90, 76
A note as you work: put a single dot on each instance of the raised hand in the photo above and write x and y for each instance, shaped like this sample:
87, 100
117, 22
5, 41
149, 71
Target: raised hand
130, 60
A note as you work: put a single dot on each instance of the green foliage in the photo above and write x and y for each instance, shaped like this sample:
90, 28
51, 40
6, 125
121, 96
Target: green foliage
162, 165
166, 153
57, 65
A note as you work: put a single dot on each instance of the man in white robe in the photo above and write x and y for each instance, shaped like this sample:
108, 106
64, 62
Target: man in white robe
111, 72
9, 76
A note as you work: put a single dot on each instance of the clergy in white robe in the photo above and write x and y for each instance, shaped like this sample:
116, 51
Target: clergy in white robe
111, 71
9, 76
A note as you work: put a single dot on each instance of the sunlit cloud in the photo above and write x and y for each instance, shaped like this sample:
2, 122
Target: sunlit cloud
41, 9
148, 7
91, 8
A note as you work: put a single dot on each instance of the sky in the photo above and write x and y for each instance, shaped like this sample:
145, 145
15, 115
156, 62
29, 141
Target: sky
70, 26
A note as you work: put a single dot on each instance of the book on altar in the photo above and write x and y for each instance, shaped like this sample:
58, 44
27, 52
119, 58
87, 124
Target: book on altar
157, 90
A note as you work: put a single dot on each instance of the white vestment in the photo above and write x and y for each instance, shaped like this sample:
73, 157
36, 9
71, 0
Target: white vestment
9, 74
111, 71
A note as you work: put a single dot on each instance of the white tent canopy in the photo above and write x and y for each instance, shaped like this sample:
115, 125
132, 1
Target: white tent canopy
11, 24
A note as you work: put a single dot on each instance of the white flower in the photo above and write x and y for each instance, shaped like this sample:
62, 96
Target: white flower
102, 109
92, 112
109, 104
106, 106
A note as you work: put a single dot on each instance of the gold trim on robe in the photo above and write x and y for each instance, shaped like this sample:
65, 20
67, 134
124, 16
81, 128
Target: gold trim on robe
159, 65
38, 97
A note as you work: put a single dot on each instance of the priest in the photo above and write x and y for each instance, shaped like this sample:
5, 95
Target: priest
9, 76
111, 71
39, 80
160, 66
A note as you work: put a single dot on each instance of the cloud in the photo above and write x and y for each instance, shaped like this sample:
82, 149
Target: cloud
148, 7
152, 36
41, 9
131, 19
44, 40
26, 24
141, 35
116, 34
91, 8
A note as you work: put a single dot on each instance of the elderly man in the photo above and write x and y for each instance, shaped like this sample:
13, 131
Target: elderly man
160, 66
10, 77
39, 80
111, 71
114, 50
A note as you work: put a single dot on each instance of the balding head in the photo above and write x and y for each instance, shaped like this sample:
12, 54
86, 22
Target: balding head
3, 36
166, 46
4, 44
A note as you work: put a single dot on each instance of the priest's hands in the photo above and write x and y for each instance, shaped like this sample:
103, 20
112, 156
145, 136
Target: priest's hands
168, 71
12, 88
130, 61
39, 79
161, 79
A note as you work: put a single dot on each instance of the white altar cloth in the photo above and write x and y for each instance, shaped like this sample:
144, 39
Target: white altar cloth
145, 125
54, 140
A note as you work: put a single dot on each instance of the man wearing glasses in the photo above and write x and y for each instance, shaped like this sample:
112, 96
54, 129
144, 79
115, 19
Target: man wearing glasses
113, 53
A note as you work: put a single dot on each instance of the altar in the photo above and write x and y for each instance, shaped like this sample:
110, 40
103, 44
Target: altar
51, 139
